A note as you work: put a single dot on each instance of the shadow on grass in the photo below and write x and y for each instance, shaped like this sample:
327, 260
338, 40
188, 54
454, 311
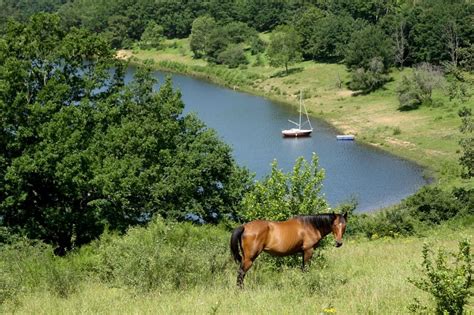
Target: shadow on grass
283, 73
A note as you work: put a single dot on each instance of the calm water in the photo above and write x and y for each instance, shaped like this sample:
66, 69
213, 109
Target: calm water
252, 126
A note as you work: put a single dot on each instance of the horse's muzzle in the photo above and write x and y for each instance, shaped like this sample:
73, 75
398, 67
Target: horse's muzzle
338, 244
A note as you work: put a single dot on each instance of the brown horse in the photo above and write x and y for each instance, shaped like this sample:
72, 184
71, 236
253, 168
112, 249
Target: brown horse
300, 234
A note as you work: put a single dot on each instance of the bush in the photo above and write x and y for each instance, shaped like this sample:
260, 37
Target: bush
417, 89
164, 256
392, 222
433, 205
370, 79
448, 280
232, 56
28, 266
281, 196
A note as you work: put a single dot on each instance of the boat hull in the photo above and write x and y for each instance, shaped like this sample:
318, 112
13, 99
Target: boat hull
345, 137
295, 133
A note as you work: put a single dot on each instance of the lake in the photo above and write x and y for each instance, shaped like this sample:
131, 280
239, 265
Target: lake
252, 126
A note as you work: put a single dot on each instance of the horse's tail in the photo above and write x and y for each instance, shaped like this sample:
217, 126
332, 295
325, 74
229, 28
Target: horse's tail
235, 243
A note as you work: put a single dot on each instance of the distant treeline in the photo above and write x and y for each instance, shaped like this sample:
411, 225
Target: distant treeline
416, 31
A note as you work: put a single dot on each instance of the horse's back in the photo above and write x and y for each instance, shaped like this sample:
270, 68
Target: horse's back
276, 237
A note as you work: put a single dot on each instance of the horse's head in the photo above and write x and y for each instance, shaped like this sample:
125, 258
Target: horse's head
339, 227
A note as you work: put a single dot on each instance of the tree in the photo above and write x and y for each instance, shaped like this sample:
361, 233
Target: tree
200, 35
467, 143
285, 47
367, 44
152, 37
281, 196
400, 43
81, 150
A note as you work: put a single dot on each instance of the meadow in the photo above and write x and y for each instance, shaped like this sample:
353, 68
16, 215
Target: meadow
181, 268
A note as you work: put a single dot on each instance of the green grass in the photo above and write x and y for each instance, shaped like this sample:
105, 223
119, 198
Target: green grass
429, 136
362, 277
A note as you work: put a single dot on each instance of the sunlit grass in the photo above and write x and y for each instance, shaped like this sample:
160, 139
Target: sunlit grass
362, 277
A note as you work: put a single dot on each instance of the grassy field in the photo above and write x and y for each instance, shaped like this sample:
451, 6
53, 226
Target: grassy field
429, 136
362, 277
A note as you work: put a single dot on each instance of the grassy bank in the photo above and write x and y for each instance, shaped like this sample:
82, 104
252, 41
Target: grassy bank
429, 136
179, 268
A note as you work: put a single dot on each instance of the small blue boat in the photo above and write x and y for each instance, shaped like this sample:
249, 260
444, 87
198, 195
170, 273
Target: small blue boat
345, 137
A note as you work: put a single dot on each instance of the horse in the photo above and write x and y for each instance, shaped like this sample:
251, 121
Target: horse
300, 234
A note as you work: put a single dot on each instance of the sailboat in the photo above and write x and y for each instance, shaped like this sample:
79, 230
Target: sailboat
299, 131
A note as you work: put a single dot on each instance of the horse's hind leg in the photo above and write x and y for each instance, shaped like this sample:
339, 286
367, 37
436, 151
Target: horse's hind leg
250, 251
244, 267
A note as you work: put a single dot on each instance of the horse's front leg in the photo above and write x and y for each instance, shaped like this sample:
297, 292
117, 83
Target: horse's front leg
307, 254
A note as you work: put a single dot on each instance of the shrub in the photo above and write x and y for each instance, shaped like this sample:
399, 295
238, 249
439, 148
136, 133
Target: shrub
448, 280
152, 36
281, 196
164, 256
433, 205
391, 222
370, 79
232, 56
417, 89
27, 266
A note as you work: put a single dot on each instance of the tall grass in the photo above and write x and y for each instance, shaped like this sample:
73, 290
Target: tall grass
182, 268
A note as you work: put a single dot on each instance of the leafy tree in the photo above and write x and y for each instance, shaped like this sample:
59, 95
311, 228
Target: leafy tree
152, 37
325, 35
201, 31
257, 45
439, 30
367, 44
285, 47
81, 150
281, 196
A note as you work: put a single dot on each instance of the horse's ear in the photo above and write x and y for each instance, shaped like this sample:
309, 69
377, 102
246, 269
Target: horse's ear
345, 215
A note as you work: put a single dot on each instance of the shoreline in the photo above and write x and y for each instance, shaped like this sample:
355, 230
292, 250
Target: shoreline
219, 75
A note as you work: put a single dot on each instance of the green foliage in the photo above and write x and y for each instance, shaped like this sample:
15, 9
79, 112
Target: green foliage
392, 222
409, 94
232, 56
371, 79
152, 37
433, 205
367, 44
285, 47
201, 30
324, 35
27, 266
84, 151
467, 142
281, 196
448, 278
417, 89
163, 256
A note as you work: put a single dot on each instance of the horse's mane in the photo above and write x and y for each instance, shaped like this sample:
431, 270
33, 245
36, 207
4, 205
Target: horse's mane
319, 221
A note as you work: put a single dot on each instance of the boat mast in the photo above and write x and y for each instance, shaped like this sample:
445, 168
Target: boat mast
301, 96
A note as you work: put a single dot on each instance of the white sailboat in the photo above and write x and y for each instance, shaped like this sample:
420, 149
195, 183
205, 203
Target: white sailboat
299, 131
